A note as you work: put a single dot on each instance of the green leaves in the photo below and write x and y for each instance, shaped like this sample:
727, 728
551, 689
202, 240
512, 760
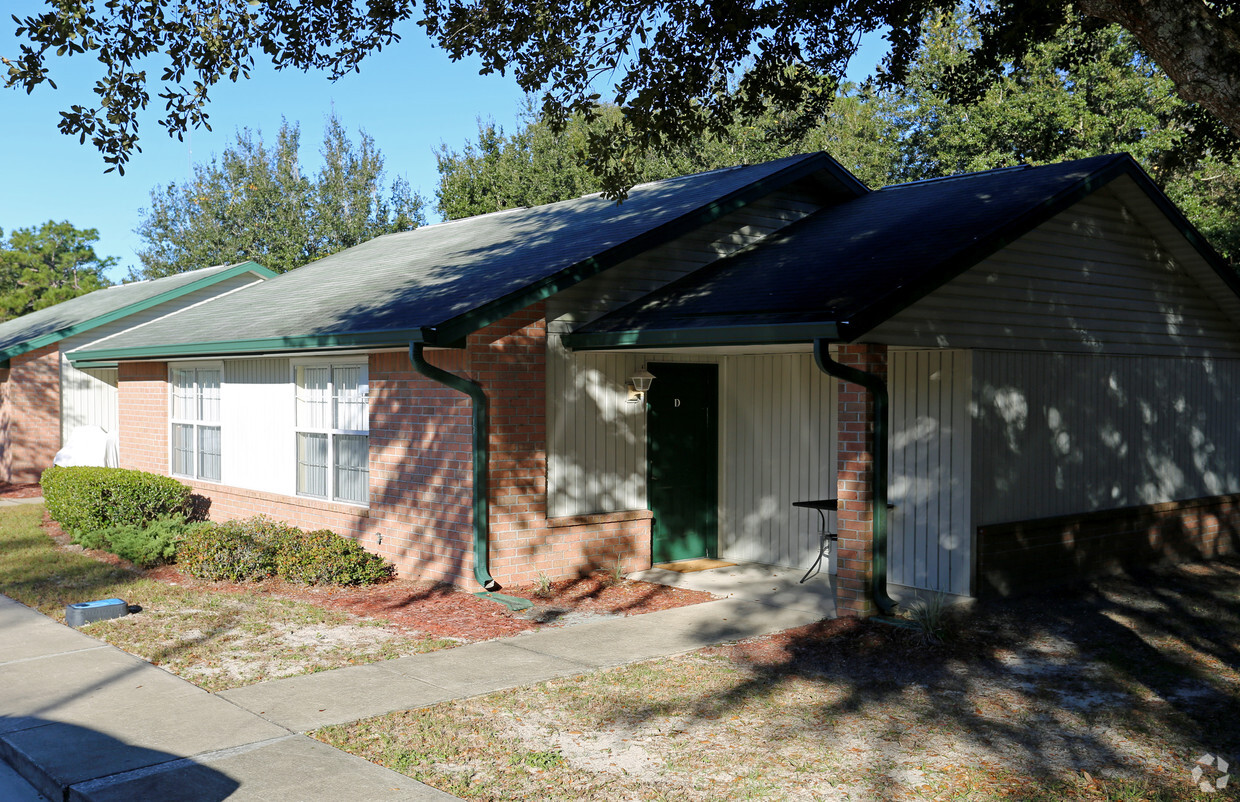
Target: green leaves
255, 202
43, 266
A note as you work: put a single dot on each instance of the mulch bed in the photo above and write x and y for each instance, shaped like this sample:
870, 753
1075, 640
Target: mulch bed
27, 490
439, 609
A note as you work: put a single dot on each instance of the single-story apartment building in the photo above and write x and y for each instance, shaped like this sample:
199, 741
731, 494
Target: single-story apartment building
970, 373
43, 397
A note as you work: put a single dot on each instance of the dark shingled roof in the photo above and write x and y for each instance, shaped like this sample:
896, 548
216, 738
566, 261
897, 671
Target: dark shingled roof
440, 282
853, 265
55, 323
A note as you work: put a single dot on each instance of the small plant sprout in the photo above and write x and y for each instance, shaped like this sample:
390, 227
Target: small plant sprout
542, 586
929, 615
616, 576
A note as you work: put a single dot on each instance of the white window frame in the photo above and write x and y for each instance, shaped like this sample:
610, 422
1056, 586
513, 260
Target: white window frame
195, 419
331, 430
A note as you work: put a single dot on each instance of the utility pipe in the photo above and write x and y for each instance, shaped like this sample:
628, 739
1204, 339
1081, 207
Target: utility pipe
482, 528
878, 467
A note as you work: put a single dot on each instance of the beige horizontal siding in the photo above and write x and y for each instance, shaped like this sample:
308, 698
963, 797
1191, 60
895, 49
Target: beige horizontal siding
1092, 280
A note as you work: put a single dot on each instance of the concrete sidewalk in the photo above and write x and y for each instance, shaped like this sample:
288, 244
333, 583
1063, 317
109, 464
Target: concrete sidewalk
17, 502
84, 721
81, 720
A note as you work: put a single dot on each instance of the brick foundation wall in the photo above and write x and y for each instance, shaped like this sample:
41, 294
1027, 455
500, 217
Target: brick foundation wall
421, 467
853, 488
1026, 556
30, 415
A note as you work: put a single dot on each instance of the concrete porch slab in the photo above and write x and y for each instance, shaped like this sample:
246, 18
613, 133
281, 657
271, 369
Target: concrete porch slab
765, 584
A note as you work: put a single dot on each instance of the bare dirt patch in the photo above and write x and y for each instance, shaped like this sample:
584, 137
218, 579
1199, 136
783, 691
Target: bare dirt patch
1112, 693
26, 490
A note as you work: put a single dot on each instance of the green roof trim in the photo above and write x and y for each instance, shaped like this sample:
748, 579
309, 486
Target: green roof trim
480, 317
775, 334
134, 308
249, 347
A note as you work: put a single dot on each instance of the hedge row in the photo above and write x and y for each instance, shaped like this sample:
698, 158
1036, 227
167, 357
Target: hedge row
142, 517
88, 499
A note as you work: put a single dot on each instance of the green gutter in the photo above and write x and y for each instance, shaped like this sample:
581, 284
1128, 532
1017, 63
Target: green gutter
134, 308
482, 529
772, 334
878, 468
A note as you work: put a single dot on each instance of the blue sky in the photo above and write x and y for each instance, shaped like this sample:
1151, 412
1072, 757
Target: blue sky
410, 98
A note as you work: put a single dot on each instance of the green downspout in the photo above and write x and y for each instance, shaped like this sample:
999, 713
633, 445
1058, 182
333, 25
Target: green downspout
482, 529
878, 467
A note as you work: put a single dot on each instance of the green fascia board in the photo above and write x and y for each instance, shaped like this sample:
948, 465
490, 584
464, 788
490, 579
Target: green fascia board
1004, 235
372, 339
131, 309
469, 322
776, 334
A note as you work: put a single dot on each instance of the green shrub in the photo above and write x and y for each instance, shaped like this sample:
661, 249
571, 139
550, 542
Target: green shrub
224, 553
83, 500
254, 548
150, 545
323, 557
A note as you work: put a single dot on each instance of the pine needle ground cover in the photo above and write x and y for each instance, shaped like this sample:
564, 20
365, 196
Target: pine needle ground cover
1113, 693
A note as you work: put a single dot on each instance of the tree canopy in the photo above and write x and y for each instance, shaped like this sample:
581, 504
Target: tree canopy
255, 202
683, 69
46, 265
1051, 105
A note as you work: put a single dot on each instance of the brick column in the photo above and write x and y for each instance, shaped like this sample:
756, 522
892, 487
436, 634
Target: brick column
32, 399
142, 401
855, 457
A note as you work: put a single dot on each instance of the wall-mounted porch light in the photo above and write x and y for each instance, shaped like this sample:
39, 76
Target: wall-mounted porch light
638, 384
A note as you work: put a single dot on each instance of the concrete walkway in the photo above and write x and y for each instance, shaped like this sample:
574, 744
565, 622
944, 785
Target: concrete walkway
17, 502
84, 721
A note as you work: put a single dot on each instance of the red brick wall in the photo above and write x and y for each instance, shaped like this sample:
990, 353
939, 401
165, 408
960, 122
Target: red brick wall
855, 457
509, 360
1027, 556
30, 415
421, 467
142, 411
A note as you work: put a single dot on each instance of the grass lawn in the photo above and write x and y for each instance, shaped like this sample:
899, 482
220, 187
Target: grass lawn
1112, 693
216, 640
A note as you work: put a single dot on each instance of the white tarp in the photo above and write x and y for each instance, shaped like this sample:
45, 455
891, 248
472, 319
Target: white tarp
89, 445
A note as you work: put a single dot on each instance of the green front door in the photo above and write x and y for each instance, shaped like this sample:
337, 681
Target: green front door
682, 471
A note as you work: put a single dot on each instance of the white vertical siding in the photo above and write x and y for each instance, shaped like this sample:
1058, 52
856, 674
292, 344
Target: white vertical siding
1063, 433
929, 535
778, 417
256, 425
1090, 280
776, 446
596, 440
87, 398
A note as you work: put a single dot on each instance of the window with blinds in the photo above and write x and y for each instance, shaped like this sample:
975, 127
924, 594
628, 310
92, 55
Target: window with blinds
333, 431
195, 422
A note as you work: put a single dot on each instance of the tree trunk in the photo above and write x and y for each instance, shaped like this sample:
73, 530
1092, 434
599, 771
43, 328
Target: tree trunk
1198, 51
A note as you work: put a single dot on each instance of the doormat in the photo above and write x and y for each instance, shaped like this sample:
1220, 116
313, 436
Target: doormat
689, 566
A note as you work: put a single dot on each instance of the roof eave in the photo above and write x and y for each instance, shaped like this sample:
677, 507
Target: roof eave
747, 334
375, 339
455, 329
140, 306
857, 327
